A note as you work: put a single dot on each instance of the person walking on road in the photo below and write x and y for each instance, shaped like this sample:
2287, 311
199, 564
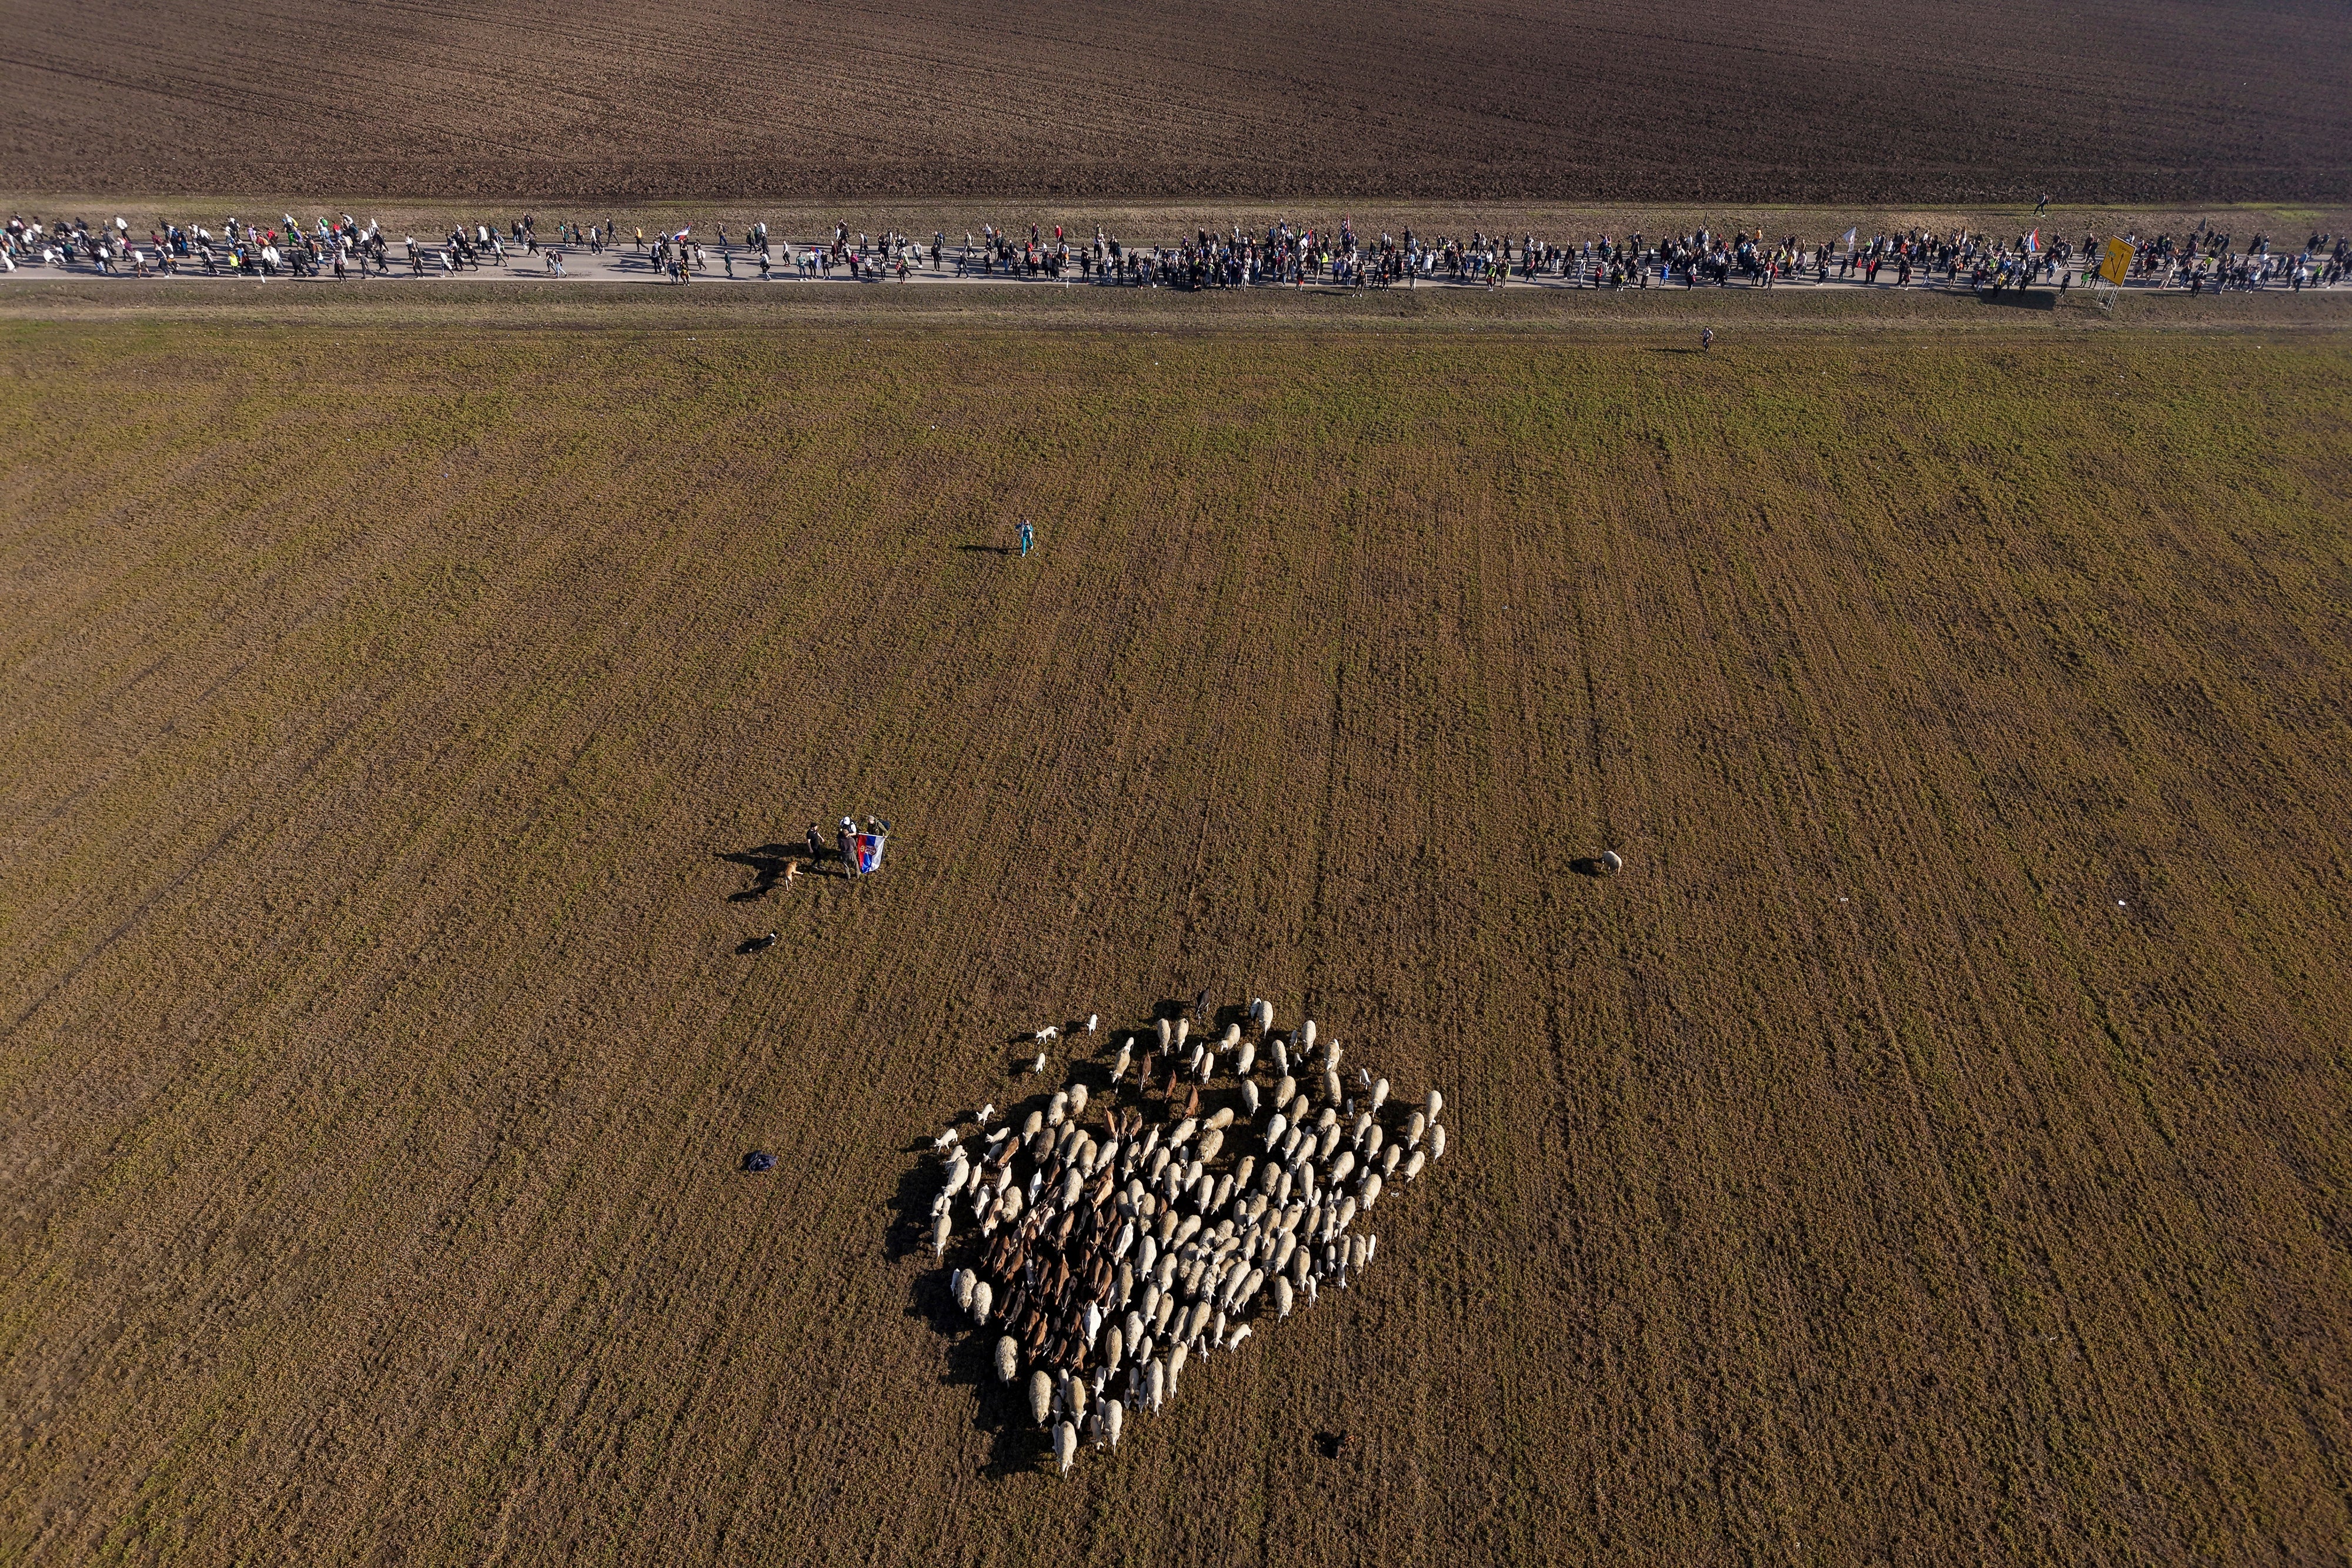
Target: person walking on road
1028, 538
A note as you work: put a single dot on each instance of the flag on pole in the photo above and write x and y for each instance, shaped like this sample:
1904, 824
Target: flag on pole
2033, 243
1850, 234
865, 852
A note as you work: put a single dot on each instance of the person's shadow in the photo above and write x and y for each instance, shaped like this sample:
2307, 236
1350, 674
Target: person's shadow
986, 550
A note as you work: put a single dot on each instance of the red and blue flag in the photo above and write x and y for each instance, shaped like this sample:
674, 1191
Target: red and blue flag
865, 852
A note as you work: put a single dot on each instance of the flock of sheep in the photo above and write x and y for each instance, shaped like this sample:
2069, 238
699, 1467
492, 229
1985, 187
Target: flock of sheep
1106, 1255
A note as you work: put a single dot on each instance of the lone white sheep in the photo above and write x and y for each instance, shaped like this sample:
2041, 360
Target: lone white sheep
1008, 1359
1612, 861
1066, 1446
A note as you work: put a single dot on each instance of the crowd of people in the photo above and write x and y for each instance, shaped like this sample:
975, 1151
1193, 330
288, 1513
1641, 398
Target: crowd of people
2204, 258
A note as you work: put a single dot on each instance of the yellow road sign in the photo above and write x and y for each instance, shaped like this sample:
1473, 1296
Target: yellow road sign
2115, 266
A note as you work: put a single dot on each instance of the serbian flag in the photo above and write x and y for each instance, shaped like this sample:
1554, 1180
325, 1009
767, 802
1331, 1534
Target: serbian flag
865, 852
2033, 243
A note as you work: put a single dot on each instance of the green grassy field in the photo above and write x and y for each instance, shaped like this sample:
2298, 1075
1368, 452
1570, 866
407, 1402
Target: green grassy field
1931, 1150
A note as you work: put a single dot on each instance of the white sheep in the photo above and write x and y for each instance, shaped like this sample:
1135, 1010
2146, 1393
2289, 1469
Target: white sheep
1041, 1395
1233, 1037
1306, 1036
1155, 1383
1057, 1109
1233, 1340
1118, 1069
1114, 1346
1414, 1126
1413, 1166
987, 1113
1283, 1297
1092, 1019
1037, 1066
1437, 1142
1113, 1417
1436, 1104
1160, 1027
1612, 861
1249, 1094
1380, 1093
1066, 1446
960, 1284
944, 1139
984, 1298
1078, 1097
941, 1228
1183, 1033
1370, 1189
1243, 1062
1051, 1032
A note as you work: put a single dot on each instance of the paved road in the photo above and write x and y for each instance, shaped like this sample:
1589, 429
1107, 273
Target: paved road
627, 266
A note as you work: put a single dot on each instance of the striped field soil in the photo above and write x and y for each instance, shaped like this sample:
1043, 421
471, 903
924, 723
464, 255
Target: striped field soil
1758, 101
1930, 1150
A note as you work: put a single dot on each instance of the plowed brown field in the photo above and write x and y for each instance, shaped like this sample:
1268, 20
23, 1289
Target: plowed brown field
1931, 1150
1901, 101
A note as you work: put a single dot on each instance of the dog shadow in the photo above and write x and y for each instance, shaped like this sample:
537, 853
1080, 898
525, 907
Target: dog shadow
767, 862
